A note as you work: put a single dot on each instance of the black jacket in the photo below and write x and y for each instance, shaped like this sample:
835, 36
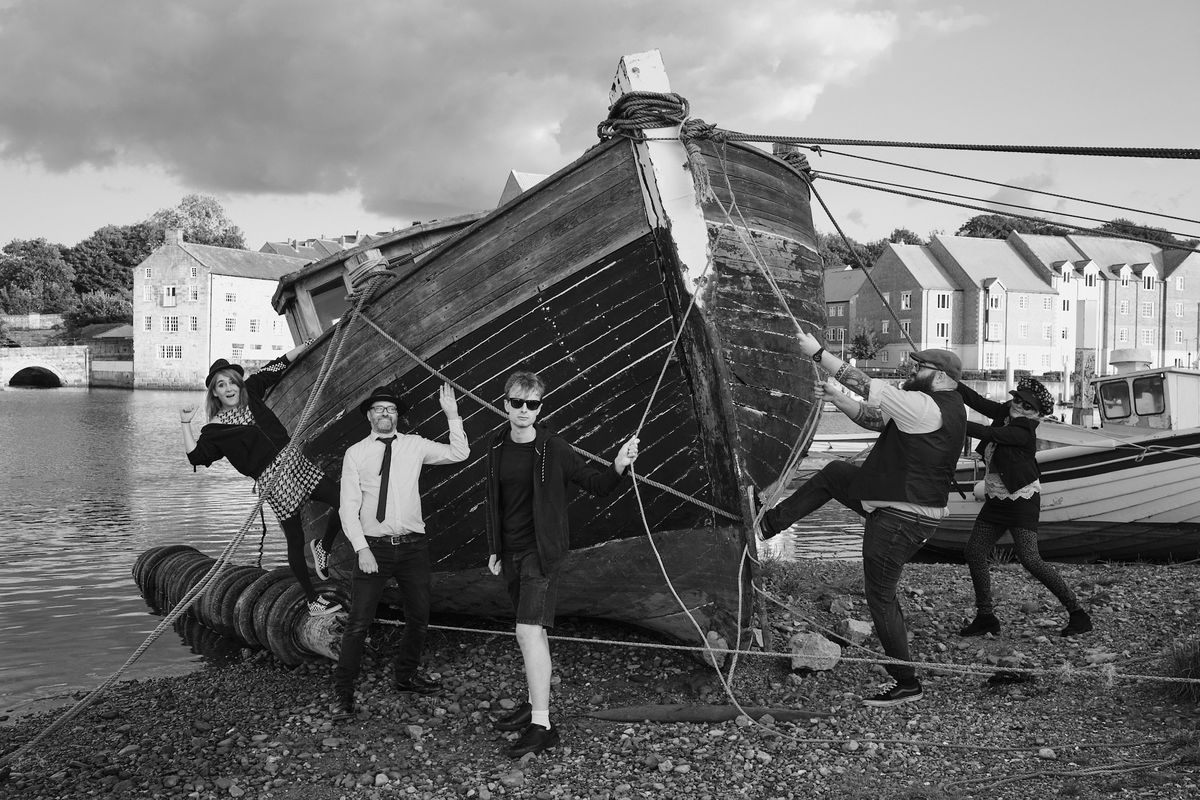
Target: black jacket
249, 448
555, 465
1016, 440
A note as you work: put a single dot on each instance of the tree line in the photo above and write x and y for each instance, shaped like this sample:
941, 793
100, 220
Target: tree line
92, 281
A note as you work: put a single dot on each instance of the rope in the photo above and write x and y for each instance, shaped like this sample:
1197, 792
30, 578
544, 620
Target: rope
1119, 768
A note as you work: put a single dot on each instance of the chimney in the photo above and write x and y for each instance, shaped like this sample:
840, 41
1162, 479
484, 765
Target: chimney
173, 236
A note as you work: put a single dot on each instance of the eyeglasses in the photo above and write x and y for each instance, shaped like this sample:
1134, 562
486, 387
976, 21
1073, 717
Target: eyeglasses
389, 410
1019, 403
520, 402
925, 365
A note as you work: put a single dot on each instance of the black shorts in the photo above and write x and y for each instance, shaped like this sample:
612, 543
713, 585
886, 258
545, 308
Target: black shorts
533, 594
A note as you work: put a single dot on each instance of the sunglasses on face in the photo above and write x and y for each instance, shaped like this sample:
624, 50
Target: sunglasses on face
1019, 403
520, 402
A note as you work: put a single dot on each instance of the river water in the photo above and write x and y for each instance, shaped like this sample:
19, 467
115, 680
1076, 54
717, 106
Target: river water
90, 478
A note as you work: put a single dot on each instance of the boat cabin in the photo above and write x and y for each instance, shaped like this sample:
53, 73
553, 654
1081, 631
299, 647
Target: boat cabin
1160, 399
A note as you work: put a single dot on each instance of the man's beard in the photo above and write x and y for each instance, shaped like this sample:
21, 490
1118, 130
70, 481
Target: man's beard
918, 384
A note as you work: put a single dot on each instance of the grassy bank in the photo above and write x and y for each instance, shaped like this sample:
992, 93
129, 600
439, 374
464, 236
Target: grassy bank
1074, 727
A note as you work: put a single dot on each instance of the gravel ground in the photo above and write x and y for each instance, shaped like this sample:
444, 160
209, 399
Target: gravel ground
255, 729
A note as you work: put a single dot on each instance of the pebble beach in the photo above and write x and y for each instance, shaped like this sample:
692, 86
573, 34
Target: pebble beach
1022, 713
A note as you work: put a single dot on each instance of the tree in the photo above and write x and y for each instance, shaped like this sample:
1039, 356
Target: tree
1126, 227
104, 261
96, 307
203, 222
865, 344
904, 236
999, 226
35, 278
834, 254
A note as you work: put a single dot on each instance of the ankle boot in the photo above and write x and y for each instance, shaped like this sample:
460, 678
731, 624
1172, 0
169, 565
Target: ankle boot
1080, 622
983, 623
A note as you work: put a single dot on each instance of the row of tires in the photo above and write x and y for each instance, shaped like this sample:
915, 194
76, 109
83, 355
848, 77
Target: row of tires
261, 608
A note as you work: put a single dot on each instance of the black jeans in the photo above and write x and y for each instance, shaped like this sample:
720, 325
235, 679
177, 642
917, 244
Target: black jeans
408, 563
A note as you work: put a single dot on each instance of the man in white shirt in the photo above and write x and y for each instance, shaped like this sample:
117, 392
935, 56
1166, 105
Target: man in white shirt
381, 516
902, 488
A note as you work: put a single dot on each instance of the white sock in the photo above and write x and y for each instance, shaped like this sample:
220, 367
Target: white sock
541, 718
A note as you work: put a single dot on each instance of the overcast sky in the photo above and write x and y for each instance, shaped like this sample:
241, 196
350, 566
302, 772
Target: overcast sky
307, 118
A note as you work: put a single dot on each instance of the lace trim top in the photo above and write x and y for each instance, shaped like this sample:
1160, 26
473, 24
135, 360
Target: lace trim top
993, 486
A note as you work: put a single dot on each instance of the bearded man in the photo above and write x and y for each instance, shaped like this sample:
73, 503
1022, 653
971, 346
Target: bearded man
902, 488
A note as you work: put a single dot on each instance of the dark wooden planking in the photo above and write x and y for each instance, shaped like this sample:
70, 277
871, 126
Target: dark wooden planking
768, 193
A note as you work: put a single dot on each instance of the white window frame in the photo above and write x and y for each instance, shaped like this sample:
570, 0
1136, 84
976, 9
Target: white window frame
1122, 335
173, 352
943, 330
1148, 335
230, 297
1179, 283
170, 323
230, 324
1179, 309
1123, 307
943, 300
1047, 331
1178, 336
193, 294
905, 301
1047, 303
147, 323
884, 325
1023, 330
1148, 283
1148, 310
193, 323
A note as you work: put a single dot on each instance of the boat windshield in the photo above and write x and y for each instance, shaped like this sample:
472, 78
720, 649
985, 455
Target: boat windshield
1148, 395
1114, 399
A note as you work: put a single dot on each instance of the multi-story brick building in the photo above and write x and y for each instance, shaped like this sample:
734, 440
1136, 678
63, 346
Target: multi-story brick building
193, 304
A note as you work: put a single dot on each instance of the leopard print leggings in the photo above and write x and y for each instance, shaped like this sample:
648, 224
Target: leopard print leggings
979, 548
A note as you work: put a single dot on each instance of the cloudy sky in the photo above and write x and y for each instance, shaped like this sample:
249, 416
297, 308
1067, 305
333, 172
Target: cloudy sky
307, 118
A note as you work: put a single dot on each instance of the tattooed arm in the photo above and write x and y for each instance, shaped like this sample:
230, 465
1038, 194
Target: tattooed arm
869, 417
852, 378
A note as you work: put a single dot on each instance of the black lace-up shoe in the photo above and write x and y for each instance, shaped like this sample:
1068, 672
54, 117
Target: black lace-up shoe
534, 740
983, 623
343, 707
417, 684
1080, 622
517, 720
896, 695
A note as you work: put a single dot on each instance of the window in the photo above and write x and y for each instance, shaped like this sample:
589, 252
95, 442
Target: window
993, 331
1022, 360
1178, 336
193, 323
1148, 395
1089, 280
230, 324
989, 360
943, 330
1148, 310
1148, 336
274, 326
237, 350
905, 301
230, 297
276, 347
993, 301
170, 324
830, 310
904, 326
1022, 301
194, 294
1064, 333
147, 323
1179, 309
1179, 283
887, 298
147, 292
256, 347
884, 325
147, 273
1047, 331
884, 356
168, 296
1045, 361
1114, 400
1047, 303
943, 299
1124, 280
1122, 335
1066, 276
1123, 306
1148, 282
194, 272
170, 351
1066, 304
1023, 330
255, 325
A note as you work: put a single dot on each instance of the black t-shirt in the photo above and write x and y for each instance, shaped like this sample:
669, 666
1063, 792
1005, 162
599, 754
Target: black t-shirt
516, 496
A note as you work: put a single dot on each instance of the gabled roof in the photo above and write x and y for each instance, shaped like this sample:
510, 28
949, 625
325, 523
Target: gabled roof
243, 263
1049, 250
309, 250
1106, 250
104, 330
842, 284
920, 261
122, 331
994, 258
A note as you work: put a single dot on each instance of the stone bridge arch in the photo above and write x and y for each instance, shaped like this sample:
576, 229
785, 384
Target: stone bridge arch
31, 374
45, 366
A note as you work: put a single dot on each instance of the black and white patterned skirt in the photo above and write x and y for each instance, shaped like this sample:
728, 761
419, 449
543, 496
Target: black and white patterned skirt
294, 478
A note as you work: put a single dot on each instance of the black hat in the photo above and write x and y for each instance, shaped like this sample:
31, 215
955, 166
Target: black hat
219, 365
1033, 392
386, 394
945, 360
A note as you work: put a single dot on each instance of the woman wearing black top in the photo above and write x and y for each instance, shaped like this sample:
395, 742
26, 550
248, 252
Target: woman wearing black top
1012, 488
242, 429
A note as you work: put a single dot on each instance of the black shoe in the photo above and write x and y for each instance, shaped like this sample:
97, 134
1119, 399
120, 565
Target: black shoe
417, 684
517, 720
895, 696
765, 529
343, 707
983, 623
534, 739
1080, 622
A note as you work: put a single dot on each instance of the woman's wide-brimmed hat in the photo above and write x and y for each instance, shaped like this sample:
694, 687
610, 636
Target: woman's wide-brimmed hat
1033, 392
383, 394
219, 365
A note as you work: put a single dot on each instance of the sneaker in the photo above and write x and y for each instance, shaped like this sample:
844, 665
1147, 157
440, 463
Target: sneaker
323, 606
517, 720
320, 559
895, 695
983, 623
417, 684
534, 739
343, 707
765, 529
1080, 622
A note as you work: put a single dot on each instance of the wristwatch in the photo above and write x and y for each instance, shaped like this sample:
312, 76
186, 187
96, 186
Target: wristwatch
816, 357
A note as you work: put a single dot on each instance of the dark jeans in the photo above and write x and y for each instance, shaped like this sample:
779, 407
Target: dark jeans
293, 531
408, 563
889, 542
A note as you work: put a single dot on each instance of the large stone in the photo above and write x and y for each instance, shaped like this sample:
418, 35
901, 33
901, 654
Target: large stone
813, 651
854, 630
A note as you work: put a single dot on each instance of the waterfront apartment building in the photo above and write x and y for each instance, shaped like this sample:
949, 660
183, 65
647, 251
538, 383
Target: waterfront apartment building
193, 304
1043, 304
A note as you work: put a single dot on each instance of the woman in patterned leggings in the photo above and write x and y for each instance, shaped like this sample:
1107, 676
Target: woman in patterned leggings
1012, 488
244, 430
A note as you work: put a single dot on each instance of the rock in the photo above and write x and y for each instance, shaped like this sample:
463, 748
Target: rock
854, 630
513, 779
1047, 753
813, 651
841, 606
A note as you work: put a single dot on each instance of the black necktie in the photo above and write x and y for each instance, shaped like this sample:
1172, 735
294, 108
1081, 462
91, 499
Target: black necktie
385, 469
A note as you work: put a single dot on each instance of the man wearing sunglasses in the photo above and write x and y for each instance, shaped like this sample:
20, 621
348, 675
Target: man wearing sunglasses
381, 516
902, 488
529, 473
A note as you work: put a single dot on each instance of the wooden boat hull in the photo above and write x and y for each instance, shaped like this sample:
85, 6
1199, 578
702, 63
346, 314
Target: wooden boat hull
1098, 504
579, 280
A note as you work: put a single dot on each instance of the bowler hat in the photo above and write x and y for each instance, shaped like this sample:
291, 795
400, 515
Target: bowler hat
383, 394
219, 365
1033, 392
945, 360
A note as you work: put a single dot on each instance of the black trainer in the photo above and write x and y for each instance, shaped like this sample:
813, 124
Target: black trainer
534, 740
417, 684
765, 528
517, 720
343, 707
1080, 622
895, 695
983, 623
